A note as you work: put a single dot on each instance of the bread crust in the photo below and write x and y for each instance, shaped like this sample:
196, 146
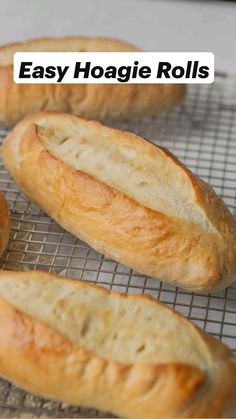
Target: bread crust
34, 355
93, 101
4, 224
159, 245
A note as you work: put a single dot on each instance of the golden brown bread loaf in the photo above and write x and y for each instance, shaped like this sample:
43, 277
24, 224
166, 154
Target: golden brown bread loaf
93, 101
129, 355
4, 224
125, 197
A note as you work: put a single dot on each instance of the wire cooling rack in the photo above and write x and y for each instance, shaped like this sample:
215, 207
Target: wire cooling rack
202, 133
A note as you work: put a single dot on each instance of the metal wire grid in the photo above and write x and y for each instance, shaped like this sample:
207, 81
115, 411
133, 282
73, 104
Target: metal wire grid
202, 133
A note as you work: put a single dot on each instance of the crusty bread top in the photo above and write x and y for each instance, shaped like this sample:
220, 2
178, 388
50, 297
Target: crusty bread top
68, 44
153, 213
127, 329
130, 355
139, 169
126, 162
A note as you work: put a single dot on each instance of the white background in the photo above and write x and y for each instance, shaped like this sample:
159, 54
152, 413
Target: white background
154, 25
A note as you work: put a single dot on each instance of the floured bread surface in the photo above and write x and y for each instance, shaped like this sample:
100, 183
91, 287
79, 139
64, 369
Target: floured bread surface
122, 328
135, 167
